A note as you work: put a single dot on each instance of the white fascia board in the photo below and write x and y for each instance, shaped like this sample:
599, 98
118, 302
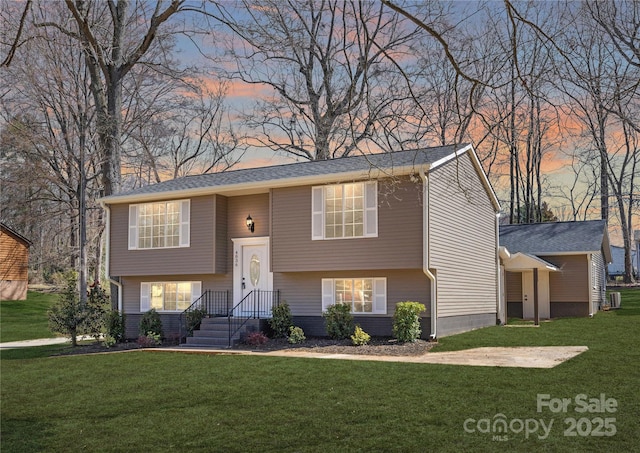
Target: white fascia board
265, 186
523, 261
564, 253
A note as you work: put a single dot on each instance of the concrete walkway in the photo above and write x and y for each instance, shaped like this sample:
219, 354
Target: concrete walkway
39, 342
516, 357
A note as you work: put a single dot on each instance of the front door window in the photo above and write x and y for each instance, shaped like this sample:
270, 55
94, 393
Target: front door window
254, 270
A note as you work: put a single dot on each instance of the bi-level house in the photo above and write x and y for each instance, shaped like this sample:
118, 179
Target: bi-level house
368, 231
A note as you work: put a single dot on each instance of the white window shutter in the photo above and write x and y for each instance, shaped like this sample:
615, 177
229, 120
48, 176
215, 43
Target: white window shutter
145, 297
371, 209
380, 295
133, 227
317, 213
196, 291
327, 293
185, 215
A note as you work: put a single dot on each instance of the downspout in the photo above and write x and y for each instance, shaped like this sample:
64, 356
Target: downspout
590, 264
499, 298
107, 251
425, 255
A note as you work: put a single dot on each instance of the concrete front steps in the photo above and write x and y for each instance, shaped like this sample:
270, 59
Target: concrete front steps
214, 333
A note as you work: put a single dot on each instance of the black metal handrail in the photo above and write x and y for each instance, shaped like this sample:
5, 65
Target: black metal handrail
257, 304
209, 304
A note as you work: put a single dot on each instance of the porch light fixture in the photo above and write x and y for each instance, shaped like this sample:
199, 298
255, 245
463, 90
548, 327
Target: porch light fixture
250, 224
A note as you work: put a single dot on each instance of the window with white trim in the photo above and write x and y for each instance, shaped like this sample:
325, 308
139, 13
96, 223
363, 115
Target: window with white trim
159, 225
168, 296
345, 210
363, 295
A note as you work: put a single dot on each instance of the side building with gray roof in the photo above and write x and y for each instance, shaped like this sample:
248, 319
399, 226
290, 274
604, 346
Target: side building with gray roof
573, 283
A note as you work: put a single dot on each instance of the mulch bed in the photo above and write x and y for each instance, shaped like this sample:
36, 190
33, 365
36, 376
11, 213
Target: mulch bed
377, 346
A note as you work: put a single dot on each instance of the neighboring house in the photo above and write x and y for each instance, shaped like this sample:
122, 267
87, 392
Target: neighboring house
369, 231
616, 267
569, 259
14, 264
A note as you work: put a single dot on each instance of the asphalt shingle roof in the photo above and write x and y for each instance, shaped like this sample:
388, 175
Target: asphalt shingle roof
385, 161
553, 237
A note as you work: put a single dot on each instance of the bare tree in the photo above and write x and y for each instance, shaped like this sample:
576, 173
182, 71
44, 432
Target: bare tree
114, 36
327, 65
60, 149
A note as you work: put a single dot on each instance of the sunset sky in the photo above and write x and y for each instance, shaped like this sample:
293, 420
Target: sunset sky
556, 165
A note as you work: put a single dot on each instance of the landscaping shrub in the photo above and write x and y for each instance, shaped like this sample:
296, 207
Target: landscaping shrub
194, 319
296, 335
338, 321
149, 340
280, 320
151, 324
360, 337
98, 306
66, 316
406, 321
115, 326
70, 317
108, 341
255, 339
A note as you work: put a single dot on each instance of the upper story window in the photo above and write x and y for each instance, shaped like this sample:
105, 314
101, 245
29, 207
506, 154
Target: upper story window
345, 211
159, 225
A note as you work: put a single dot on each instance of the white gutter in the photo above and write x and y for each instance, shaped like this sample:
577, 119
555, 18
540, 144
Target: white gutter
119, 285
107, 252
499, 299
425, 255
590, 264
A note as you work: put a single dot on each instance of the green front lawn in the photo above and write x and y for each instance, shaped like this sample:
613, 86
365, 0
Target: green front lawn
26, 319
158, 401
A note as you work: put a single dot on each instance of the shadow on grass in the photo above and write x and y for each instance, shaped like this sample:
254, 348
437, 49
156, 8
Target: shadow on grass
24, 435
36, 352
627, 311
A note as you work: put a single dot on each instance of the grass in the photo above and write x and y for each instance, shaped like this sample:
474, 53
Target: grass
157, 401
26, 319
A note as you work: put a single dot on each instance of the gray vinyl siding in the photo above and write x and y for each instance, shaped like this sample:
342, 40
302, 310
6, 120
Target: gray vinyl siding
303, 290
462, 240
571, 283
238, 208
598, 287
220, 236
198, 258
398, 245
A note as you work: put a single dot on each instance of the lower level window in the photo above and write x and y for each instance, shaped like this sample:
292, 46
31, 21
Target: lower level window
363, 295
168, 296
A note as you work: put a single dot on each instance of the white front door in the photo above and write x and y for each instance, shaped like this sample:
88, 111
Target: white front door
251, 274
528, 295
